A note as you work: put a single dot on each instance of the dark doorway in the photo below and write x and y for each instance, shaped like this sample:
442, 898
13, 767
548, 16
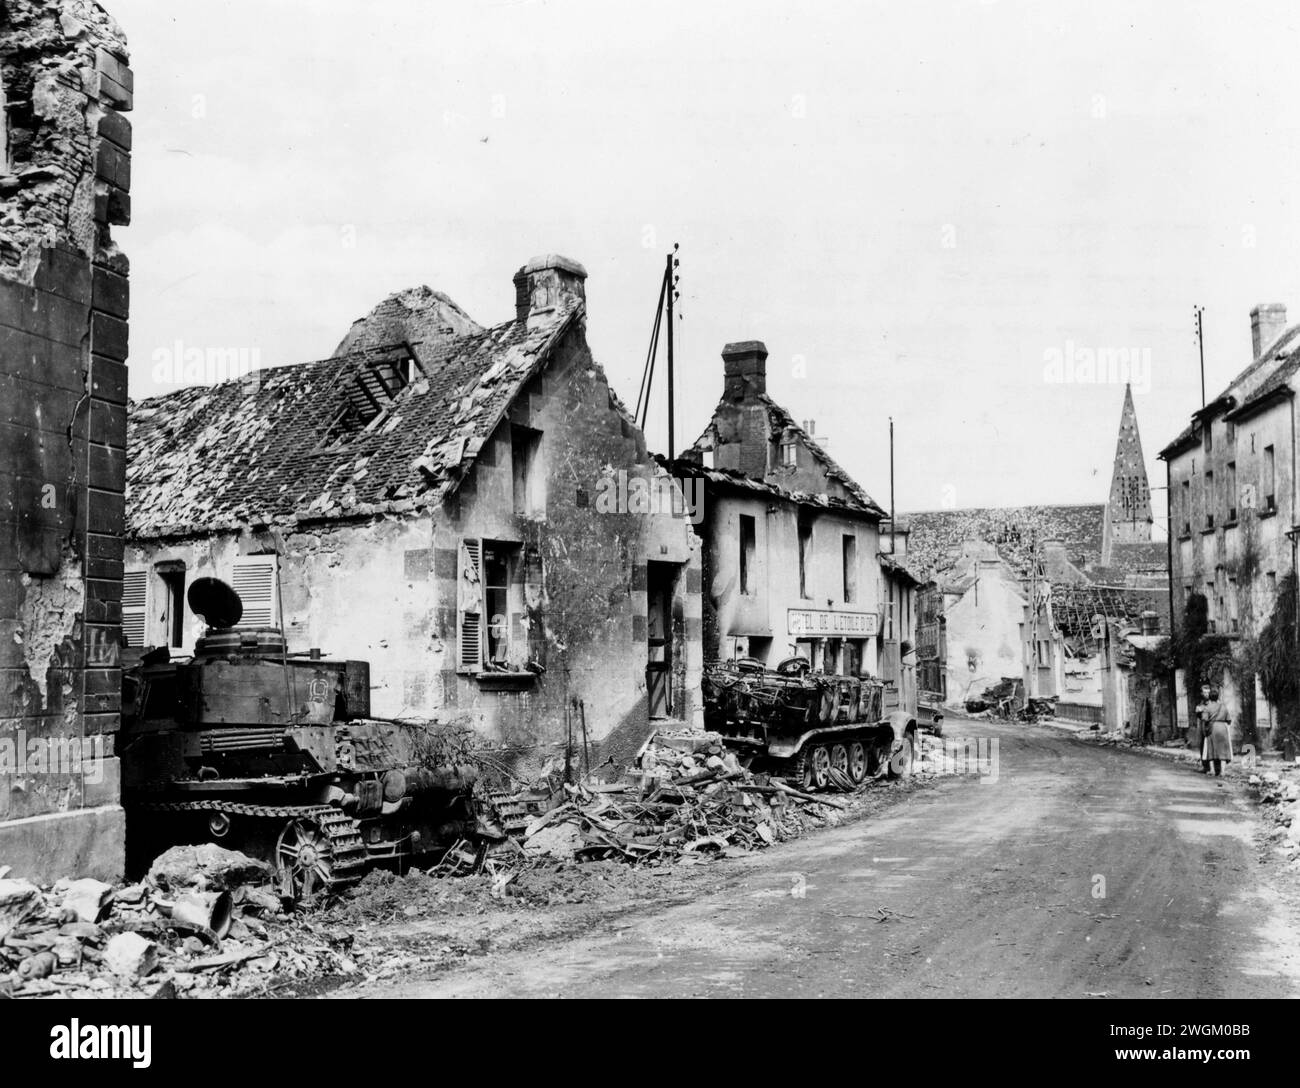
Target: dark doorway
661, 580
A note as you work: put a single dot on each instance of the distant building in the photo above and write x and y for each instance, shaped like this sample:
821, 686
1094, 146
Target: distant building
471, 510
1232, 503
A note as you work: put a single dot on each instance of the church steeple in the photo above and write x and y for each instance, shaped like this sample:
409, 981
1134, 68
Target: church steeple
1128, 512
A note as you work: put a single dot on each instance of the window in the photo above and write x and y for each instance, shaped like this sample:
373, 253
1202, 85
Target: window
1187, 508
1230, 432
254, 579
1234, 618
490, 606
171, 574
1270, 480
1232, 490
747, 537
805, 550
135, 600
1208, 434
850, 568
1211, 613
1270, 583
789, 454
1209, 500
496, 598
889, 612
526, 466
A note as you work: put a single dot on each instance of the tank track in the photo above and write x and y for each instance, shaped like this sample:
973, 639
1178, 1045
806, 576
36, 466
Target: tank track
348, 854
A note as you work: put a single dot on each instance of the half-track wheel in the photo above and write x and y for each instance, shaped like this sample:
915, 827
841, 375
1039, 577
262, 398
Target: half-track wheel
859, 763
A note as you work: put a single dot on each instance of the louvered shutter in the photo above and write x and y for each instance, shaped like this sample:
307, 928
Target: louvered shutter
135, 602
469, 583
253, 578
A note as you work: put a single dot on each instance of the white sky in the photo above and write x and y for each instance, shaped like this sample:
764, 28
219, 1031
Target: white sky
921, 200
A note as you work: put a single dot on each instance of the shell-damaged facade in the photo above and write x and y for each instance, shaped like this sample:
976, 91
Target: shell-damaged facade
433, 499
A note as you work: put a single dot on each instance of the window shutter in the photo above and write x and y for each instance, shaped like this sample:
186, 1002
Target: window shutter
253, 578
135, 601
469, 584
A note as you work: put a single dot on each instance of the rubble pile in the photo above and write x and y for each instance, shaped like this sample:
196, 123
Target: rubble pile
205, 919
689, 799
1279, 793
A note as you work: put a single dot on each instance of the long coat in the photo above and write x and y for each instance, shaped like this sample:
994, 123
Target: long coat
1218, 738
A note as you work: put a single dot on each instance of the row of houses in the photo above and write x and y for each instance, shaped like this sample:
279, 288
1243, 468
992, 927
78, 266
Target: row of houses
474, 512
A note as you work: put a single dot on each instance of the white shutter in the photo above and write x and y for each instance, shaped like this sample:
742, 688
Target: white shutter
253, 578
135, 602
469, 584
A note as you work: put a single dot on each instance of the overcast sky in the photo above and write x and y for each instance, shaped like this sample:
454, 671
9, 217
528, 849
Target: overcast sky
919, 207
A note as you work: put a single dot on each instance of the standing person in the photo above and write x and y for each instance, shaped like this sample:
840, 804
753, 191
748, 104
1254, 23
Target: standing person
1196, 732
1217, 746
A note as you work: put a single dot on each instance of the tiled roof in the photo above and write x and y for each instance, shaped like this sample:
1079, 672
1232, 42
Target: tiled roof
247, 452
1272, 371
739, 481
1128, 561
937, 535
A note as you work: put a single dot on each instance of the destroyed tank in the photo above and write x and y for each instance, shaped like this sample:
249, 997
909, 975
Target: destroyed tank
821, 730
275, 754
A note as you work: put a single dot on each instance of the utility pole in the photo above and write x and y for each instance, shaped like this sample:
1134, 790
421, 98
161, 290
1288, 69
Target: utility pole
893, 524
1200, 343
1031, 691
670, 279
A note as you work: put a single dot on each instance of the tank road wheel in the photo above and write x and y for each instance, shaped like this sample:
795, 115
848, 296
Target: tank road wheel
858, 772
840, 759
318, 855
900, 763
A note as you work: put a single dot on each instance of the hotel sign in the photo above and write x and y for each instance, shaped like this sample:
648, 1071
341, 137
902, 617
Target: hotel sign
822, 623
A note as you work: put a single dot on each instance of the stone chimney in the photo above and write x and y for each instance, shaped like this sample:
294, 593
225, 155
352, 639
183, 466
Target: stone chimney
1267, 323
545, 282
744, 368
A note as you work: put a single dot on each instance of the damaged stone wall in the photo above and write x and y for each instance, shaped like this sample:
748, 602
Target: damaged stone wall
64, 182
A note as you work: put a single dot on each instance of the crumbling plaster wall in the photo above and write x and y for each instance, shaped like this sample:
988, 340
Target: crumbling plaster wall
593, 633
64, 182
359, 590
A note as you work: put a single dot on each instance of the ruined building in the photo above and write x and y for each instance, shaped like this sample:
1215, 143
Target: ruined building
471, 510
63, 319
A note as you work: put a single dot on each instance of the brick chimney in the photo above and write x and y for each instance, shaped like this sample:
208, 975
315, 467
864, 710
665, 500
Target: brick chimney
1267, 323
544, 282
744, 368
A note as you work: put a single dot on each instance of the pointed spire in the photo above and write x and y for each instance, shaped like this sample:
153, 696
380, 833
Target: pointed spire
1128, 511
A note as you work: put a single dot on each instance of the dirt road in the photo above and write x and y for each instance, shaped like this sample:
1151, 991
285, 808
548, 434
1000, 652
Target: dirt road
1076, 870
